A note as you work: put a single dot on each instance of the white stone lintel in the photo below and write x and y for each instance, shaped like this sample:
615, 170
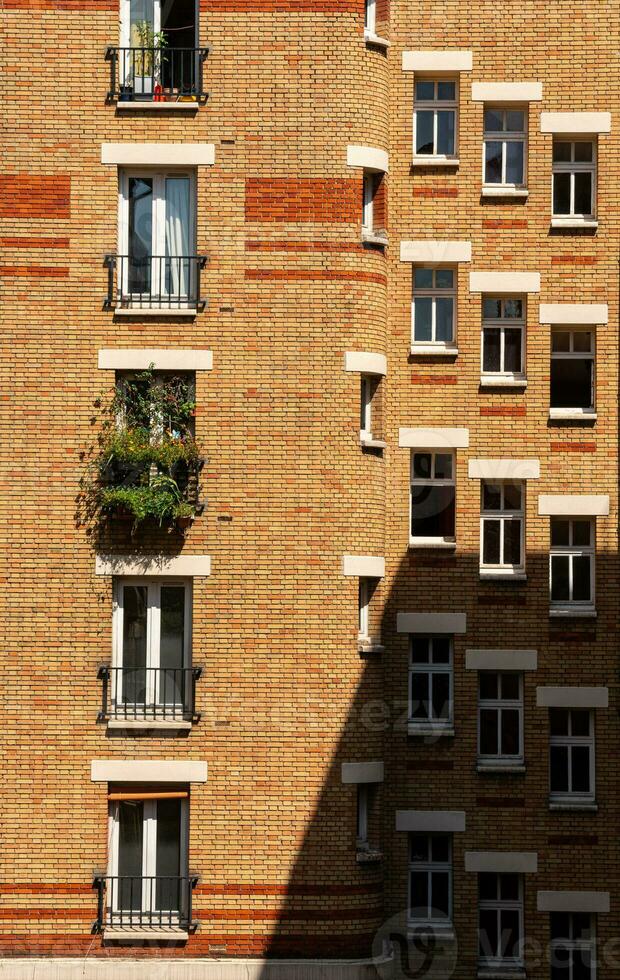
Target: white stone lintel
431, 821
153, 565
365, 362
438, 62
428, 252
575, 123
158, 154
498, 862
504, 469
504, 282
148, 771
368, 157
162, 359
572, 901
501, 660
431, 623
573, 313
573, 505
506, 92
436, 438
572, 697
363, 566
362, 772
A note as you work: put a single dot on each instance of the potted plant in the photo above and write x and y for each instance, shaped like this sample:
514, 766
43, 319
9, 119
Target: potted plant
147, 60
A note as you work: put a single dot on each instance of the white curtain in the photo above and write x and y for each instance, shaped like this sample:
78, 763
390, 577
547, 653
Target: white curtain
177, 235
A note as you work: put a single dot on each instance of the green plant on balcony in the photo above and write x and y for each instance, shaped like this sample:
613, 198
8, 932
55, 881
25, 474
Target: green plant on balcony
151, 43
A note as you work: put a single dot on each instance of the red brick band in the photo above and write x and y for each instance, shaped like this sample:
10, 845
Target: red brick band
503, 411
300, 275
435, 192
574, 260
434, 379
24, 241
573, 447
498, 224
35, 271
296, 246
285, 6
34, 196
307, 199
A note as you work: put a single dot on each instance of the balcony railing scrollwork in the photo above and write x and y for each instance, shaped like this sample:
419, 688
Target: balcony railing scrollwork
157, 74
148, 694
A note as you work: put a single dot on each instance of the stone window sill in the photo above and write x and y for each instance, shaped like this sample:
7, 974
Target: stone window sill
132, 934
568, 613
374, 238
502, 381
501, 191
429, 161
434, 350
145, 725
501, 973
502, 575
573, 414
493, 768
136, 106
588, 223
573, 806
434, 543
153, 311
369, 646
366, 443
439, 731
374, 41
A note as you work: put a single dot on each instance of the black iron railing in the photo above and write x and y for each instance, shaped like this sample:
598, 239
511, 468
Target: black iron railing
148, 693
145, 902
156, 74
167, 282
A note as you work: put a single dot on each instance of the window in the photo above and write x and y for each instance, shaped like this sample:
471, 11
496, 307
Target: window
572, 372
430, 878
573, 946
430, 682
574, 178
148, 879
434, 306
500, 718
151, 675
571, 754
145, 73
503, 339
370, 19
505, 135
502, 527
434, 118
159, 401
432, 497
157, 238
364, 594
572, 563
367, 385
500, 930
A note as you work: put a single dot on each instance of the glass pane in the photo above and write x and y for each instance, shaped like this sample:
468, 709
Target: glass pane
515, 121
581, 578
582, 965
488, 887
177, 235
130, 835
134, 644
492, 162
513, 308
560, 531
583, 193
139, 12
581, 533
510, 930
491, 542
444, 313
422, 465
425, 91
493, 120
491, 308
441, 650
420, 650
512, 496
561, 151
581, 769
559, 925
444, 278
422, 318
512, 351
446, 91
419, 844
172, 644
571, 383
584, 152
423, 278
514, 162
509, 887
488, 732
440, 848
140, 234
561, 194
443, 466
488, 933
419, 894
441, 696
582, 926
559, 578
440, 894
445, 132
488, 684
168, 855
560, 341
420, 697
510, 687
580, 723
491, 496
432, 512
582, 341
510, 732
424, 131
512, 542
560, 964
558, 721
491, 339
558, 768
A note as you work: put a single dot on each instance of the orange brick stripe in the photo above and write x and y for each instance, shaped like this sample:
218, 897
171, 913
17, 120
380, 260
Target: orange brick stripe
217, 915
300, 275
501, 802
292, 891
35, 271
435, 192
434, 379
500, 411
285, 6
26, 242
293, 246
496, 224
306, 199
574, 260
29, 196
573, 447
60, 5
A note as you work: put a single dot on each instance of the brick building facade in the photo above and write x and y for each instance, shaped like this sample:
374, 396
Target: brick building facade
379, 246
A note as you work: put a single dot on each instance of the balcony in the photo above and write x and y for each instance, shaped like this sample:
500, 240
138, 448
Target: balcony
155, 284
148, 697
156, 77
145, 907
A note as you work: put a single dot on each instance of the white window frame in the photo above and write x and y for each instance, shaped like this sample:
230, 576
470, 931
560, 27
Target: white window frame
149, 852
503, 516
364, 595
435, 105
499, 905
571, 354
366, 395
431, 481
369, 200
503, 136
430, 866
570, 604
572, 167
567, 742
573, 945
370, 18
153, 636
503, 323
434, 293
432, 669
499, 705
158, 217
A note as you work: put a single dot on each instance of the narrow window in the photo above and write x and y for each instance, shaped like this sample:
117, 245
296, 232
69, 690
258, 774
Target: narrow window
364, 594
370, 18
430, 682
505, 136
151, 673
157, 58
500, 718
573, 946
434, 118
571, 564
574, 178
430, 878
432, 497
572, 371
370, 186
367, 384
571, 755
434, 306
503, 338
500, 930
502, 527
